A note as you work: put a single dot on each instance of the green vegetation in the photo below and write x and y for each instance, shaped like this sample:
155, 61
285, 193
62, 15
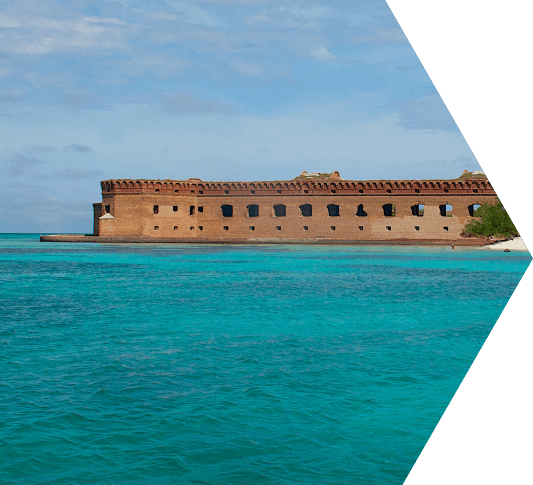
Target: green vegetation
493, 221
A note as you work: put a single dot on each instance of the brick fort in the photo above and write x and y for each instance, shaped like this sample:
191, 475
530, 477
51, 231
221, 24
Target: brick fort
313, 207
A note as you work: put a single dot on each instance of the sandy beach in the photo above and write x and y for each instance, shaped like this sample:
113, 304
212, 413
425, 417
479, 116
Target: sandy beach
515, 244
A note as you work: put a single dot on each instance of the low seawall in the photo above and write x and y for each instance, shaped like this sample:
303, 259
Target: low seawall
74, 238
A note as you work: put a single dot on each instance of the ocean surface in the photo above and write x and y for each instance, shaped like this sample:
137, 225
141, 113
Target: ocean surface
164, 364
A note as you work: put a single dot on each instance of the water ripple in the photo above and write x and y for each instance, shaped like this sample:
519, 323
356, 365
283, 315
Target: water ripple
216, 365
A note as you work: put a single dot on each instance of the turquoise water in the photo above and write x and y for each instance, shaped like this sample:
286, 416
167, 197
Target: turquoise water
232, 364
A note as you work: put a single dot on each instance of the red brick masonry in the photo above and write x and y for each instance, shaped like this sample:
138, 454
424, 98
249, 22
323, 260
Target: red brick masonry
323, 210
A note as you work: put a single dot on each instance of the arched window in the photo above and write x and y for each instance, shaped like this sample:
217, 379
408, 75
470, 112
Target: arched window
389, 210
307, 210
360, 211
418, 210
446, 210
253, 210
472, 209
280, 210
227, 210
333, 210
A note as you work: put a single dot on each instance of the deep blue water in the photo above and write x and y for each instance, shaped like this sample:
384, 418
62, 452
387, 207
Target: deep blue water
203, 364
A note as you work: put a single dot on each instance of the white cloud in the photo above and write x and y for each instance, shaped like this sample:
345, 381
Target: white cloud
380, 36
78, 173
258, 70
186, 104
187, 79
162, 65
100, 20
311, 12
41, 35
429, 113
162, 16
36, 213
6, 23
252, 69
261, 18
197, 16
323, 55
389, 35
201, 17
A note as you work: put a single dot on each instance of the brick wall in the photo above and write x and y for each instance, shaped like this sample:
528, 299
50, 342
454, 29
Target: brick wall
133, 211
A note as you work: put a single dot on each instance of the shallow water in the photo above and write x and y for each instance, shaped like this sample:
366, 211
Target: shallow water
234, 364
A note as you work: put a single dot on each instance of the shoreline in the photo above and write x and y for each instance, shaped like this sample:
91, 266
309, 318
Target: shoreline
515, 244
76, 238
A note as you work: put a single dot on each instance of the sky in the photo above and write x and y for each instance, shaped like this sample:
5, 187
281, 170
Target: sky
215, 89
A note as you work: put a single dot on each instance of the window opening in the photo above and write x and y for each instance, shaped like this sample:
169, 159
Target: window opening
156, 209
200, 209
417, 228
200, 191
175, 228
175, 208
332, 228
226, 191
191, 210
227, 210
389, 228
278, 228
417, 210
278, 191
192, 228
307, 210
108, 209
445, 228
333, 210
360, 228
156, 228
157, 190
389, 210
360, 211
252, 191
306, 228
226, 228
446, 210
280, 210
306, 191
252, 228
333, 191
200, 228
472, 209
253, 210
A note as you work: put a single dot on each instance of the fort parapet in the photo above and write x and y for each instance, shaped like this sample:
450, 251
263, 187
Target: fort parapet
312, 207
